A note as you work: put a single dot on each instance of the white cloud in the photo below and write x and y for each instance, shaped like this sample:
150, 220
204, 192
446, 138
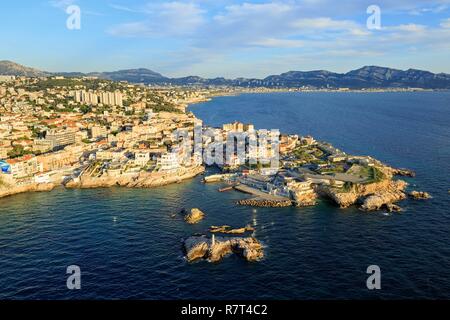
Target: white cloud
310, 28
162, 20
445, 23
411, 27
62, 4
279, 43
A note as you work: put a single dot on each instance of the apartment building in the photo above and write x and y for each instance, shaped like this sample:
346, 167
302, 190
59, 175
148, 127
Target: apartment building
168, 162
23, 167
142, 158
60, 138
95, 98
238, 127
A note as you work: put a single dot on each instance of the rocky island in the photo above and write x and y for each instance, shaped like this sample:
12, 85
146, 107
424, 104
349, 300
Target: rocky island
216, 248
195, 216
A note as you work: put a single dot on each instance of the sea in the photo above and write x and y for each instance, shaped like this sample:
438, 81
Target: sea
128, 242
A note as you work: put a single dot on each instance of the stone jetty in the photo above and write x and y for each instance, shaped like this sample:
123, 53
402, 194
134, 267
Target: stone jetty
265, 203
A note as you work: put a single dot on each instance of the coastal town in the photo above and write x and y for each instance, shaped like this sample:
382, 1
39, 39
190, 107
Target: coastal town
87, 132
90, 133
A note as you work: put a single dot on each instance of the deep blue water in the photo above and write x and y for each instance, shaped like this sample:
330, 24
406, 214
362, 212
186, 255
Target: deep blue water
128, 245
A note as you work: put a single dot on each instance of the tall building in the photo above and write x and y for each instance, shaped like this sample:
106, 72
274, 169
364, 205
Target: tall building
60, 138
93, 98
239, 127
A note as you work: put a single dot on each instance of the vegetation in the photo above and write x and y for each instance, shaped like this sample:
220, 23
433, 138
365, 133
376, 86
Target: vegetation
55, 83
85, 109
375, 175
302, 155
166, 107
18, 151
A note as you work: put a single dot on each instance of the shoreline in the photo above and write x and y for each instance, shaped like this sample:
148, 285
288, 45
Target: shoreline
140, 180
145, 181
151, 180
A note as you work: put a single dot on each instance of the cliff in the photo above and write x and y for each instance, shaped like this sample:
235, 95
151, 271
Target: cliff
304, 199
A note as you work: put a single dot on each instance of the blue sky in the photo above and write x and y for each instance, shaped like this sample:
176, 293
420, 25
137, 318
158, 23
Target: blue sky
226, 37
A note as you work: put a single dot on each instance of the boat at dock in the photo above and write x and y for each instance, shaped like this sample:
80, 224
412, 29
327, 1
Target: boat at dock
226, 189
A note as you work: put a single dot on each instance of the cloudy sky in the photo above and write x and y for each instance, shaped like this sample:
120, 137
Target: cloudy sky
226, 37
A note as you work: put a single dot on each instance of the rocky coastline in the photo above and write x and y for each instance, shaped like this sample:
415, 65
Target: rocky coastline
372, 196
9, 190
139, 180
135, 180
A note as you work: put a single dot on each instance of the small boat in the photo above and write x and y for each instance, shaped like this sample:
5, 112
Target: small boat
226, 189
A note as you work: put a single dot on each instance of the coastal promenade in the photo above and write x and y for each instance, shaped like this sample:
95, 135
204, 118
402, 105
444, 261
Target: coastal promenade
260, 195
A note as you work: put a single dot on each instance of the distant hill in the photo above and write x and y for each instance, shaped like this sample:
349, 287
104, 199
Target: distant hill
133, 75
9, 68
366, 77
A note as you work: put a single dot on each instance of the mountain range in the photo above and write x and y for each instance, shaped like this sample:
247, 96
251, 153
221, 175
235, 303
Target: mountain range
365, 77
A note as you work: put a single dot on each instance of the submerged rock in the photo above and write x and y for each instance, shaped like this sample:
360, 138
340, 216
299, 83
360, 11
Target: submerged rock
214, 250
195, 216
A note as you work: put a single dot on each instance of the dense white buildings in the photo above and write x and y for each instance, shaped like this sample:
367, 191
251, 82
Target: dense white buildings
95, 98
168, 162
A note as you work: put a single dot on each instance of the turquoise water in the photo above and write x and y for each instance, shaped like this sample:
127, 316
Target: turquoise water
128, 244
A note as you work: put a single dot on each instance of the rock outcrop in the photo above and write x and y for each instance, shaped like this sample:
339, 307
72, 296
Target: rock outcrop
379, 193
195, 216
304, 200
200, 247
228, 230
34, 187
419, 195
384, 198
403, 172
393, 208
